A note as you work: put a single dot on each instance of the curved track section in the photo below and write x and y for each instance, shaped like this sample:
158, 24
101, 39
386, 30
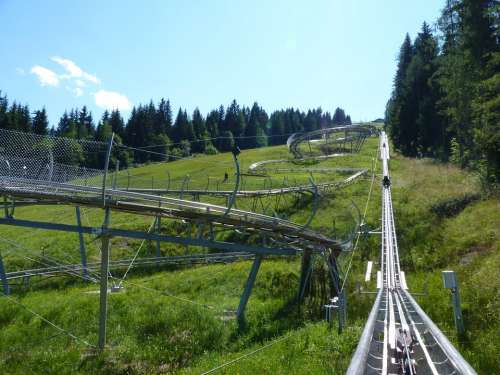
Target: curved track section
399, 338
341, 139
154, 205
325, 186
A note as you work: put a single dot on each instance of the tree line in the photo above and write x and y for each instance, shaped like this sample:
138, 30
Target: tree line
152, 127
446, 97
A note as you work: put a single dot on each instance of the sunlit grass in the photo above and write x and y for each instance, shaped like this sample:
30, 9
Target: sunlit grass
149, 332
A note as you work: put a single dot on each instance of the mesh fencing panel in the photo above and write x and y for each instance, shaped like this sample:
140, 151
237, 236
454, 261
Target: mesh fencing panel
33, 162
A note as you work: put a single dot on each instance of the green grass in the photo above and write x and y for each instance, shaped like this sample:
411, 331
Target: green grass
152, 332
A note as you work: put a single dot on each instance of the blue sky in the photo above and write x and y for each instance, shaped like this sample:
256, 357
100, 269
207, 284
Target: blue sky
305, 54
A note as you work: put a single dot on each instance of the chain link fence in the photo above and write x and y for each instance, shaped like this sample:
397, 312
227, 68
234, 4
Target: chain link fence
33, 162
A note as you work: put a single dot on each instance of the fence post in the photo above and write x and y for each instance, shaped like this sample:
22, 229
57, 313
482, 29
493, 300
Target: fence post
106, 166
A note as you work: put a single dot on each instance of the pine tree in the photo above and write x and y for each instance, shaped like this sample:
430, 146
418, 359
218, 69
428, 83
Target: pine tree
200, 131
131, 128
63, 127
252, 127
338, 117
486, 114
104, 129
397, 108
278, 136
232, 119
117, 124
85, 125
226, 143
240, 129
260, 137
212, 124
178, 125
309, 122
417, 121
189, 133
4, 105
163, 118
40, 122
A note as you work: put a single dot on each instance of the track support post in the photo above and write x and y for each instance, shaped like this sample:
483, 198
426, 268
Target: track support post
83, 255
450, 282
158, 231
305, 274
103, 300
106, 166
342, 310
3, 276
240, 313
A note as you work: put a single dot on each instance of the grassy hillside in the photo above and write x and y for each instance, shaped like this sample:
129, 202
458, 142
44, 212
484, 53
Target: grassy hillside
180, 320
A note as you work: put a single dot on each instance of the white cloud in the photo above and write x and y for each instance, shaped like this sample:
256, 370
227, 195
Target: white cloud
45, 76
77, 91
20, 71
74, 70
80, 83
111, 100
77, 79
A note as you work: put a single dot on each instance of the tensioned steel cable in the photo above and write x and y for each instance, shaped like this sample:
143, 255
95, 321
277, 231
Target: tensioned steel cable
167, 294
60, 329
215, 138
173, 156
247, 355
359, 233
136, 254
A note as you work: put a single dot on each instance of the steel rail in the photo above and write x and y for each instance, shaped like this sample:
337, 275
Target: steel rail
412, 343
362, 130
137, 203
153, 261
254, 193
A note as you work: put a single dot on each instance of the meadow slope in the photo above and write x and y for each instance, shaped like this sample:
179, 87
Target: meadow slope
174, 320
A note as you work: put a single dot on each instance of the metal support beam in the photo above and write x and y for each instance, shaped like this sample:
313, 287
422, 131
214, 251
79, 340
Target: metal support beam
343, 309
106, 166
158, 231
450, 282
224, 246
240, 313
3, 276
232, 198
305, 273
341, 294
103, 300
83, 255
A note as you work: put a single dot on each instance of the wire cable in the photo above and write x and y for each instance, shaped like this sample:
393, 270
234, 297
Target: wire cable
359, 233
247, 355
62, 330
136, 254
165, 293
215, 138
